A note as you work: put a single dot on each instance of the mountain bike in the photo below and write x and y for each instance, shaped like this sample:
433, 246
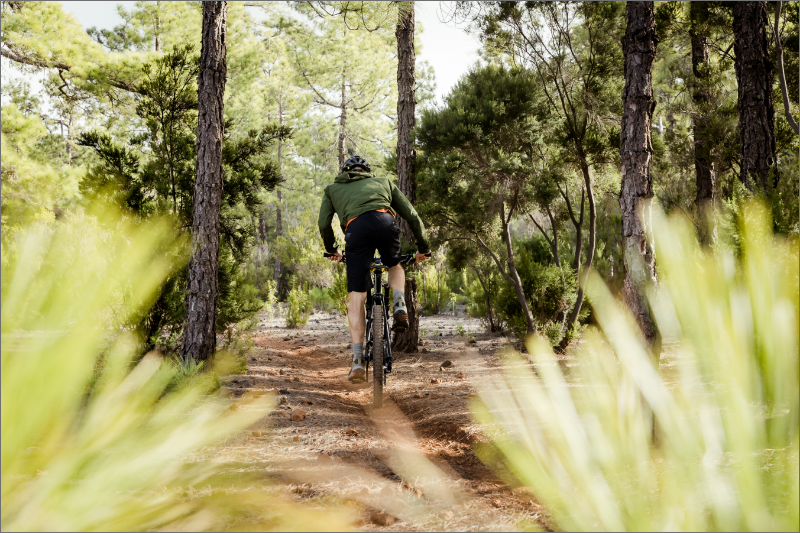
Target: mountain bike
378, 346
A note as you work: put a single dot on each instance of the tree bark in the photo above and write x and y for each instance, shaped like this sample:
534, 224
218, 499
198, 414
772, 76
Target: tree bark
343, 121
705, 174
199, 333
278, 212
636, 153
157, 25
584, 273
514, 275
756, 109
406, 107
278, 233
406, 120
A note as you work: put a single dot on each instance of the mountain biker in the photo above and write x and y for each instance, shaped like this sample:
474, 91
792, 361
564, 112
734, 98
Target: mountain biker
367, 207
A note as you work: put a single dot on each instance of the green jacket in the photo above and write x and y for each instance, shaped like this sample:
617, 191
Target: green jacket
355, 193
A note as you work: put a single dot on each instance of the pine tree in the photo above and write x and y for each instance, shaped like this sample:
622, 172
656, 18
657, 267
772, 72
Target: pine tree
705, 175
199, 335
636, 153
406, 181
754, 74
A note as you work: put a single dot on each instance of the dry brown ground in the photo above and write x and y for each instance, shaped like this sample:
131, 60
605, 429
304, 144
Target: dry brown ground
325, 443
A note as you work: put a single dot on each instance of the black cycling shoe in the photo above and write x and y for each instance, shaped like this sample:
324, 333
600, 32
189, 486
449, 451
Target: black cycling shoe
358, 374
400, 314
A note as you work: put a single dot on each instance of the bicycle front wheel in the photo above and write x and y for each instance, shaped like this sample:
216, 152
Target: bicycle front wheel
378, 335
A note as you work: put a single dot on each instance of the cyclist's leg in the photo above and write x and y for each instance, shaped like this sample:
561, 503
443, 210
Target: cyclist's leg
355, 316
389, 248
397, 278
360, 251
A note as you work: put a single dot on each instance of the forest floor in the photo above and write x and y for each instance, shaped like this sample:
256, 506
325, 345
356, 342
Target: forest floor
325, 442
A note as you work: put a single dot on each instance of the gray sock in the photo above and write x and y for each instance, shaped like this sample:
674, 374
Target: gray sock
400, 296
358, 351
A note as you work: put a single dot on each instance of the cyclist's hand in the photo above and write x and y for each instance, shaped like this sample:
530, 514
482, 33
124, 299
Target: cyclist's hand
335, 257
422, 257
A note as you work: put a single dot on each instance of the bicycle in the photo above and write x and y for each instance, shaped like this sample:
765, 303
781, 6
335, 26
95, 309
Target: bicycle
377, 346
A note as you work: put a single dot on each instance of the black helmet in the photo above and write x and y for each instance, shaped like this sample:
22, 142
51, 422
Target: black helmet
355, 161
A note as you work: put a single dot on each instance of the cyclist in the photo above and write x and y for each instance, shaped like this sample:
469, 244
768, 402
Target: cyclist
367, 207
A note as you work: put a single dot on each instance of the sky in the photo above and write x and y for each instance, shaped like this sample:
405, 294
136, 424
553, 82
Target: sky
448, 49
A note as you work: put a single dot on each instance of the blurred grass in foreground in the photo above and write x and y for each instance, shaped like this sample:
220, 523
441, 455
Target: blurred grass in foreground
725, 401
91, 440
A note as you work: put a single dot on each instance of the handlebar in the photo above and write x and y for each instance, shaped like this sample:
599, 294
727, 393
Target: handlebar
405, 259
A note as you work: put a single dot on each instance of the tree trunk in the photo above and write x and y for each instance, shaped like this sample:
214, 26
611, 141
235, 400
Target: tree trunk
343, 121
158, 25
756, 110
554, 245
584, 273
705, 174
514, 275
406, 108
278, 212
636, 154
278, 233
199, 333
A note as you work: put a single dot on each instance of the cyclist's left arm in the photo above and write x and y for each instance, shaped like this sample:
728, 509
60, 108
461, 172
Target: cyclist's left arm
403, 207
326, 212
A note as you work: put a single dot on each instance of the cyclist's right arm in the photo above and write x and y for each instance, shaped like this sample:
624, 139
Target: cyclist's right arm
326, 212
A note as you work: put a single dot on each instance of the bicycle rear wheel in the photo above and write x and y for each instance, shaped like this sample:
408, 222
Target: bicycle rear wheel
378, 335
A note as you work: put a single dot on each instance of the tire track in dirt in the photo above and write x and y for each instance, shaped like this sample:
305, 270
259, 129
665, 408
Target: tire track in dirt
323, 418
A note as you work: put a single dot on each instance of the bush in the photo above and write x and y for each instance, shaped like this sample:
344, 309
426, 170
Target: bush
320, 299
724, 452
339, 292
271, 298
433, 291
550, 292
476, 299
298, 309
91, 441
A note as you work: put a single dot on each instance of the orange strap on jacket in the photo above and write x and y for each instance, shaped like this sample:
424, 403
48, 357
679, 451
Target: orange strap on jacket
378, 210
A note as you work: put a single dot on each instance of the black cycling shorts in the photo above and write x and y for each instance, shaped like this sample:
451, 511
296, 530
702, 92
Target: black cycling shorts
367, 232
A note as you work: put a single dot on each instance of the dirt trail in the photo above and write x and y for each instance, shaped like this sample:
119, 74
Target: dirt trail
324, 421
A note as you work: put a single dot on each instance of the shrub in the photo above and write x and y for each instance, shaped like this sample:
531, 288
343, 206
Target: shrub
338, 292
321, 300
476, 299
550, 291
433, 291
298, 309
724, 452
90, 440
271, 298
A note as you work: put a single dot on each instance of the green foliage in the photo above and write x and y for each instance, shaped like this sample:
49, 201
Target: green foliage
433, 291
321, 300
549, 290
725, 402
154, 174
34, 188
271, 299
338, 292
298, 309
85, 429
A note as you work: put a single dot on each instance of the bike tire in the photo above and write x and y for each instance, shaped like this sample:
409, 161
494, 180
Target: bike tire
378, 335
